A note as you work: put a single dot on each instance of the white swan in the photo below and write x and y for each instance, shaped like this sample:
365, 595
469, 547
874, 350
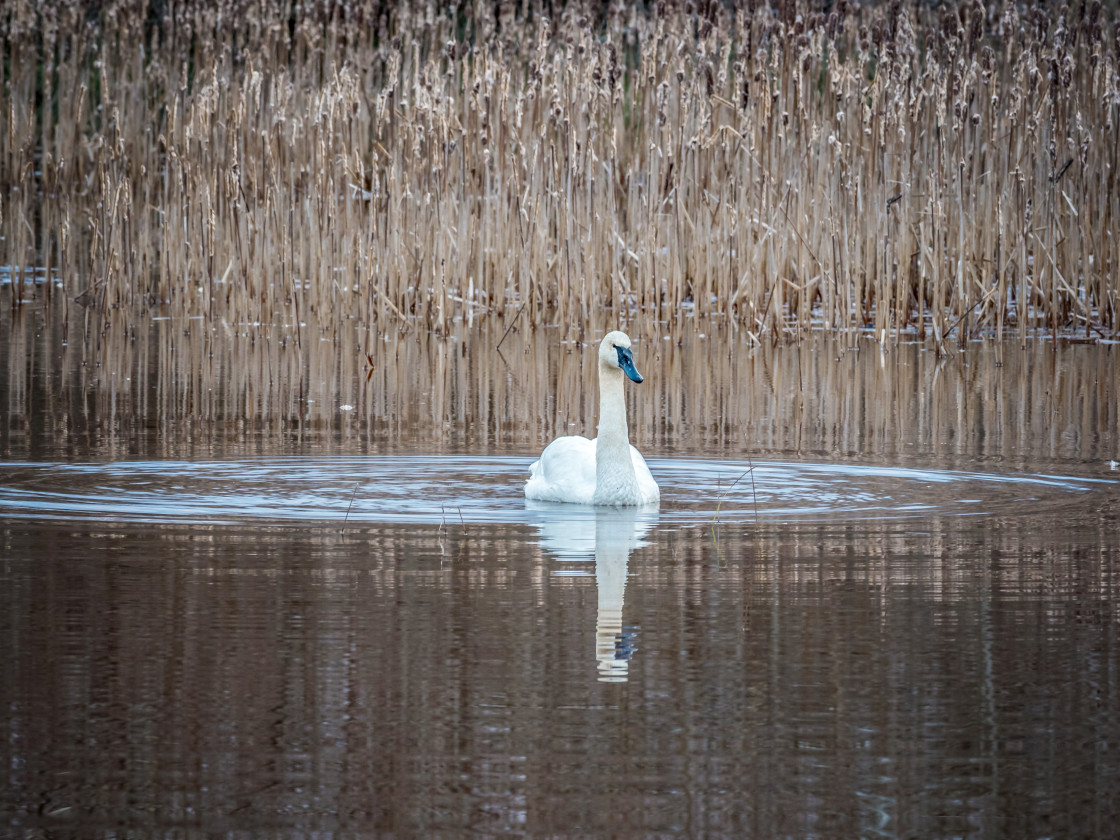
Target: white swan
607, 470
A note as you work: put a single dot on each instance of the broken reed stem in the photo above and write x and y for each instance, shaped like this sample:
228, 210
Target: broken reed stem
897, 169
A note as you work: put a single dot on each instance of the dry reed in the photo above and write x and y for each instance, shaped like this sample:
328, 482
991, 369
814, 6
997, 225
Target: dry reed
900, 168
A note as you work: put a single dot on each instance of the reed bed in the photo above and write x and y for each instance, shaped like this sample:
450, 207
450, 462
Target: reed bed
899, 169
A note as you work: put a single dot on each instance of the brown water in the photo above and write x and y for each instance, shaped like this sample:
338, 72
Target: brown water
253, 584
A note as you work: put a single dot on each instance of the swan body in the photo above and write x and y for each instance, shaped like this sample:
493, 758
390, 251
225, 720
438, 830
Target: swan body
607, 470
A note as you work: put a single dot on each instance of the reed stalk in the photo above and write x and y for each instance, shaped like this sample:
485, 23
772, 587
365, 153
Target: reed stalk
898, 169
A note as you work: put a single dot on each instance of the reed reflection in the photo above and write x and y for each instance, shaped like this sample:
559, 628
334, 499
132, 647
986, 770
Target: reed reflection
609, 535
162, 393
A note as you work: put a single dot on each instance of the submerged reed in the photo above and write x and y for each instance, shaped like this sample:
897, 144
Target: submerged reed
900, 169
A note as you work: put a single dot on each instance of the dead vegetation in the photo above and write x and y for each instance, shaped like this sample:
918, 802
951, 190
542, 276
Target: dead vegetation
898, 168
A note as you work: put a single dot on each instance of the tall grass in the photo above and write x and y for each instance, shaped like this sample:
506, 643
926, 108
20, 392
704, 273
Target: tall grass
897, 168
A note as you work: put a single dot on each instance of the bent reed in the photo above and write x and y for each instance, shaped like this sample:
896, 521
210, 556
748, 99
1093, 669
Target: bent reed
900, 169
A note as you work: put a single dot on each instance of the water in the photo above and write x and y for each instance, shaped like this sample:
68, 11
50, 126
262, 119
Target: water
430, 490
879, 597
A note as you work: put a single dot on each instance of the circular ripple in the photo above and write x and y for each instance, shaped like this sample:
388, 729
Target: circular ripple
423, 489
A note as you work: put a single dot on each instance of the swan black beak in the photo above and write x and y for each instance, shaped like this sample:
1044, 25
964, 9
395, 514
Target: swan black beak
626, 363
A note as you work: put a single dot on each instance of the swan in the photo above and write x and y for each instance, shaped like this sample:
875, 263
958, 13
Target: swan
607, 470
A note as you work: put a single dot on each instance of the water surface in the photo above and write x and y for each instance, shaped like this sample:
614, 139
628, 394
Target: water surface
427, 489
879, 597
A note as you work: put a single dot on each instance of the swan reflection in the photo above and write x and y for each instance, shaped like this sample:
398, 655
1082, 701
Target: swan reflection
608, 535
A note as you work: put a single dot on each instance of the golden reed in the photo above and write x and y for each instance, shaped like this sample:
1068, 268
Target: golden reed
898, 168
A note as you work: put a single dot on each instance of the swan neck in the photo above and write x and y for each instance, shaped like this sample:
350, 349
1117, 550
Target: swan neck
612, 409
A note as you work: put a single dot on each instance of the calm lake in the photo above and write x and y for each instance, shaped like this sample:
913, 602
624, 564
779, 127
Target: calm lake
284, 581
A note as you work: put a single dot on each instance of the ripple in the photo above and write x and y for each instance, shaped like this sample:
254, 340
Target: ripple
428, 489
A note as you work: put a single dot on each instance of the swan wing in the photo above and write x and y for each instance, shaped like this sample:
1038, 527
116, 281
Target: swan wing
565, 472
648, 491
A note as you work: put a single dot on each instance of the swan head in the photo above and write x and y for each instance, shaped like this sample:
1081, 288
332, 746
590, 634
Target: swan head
614, 352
